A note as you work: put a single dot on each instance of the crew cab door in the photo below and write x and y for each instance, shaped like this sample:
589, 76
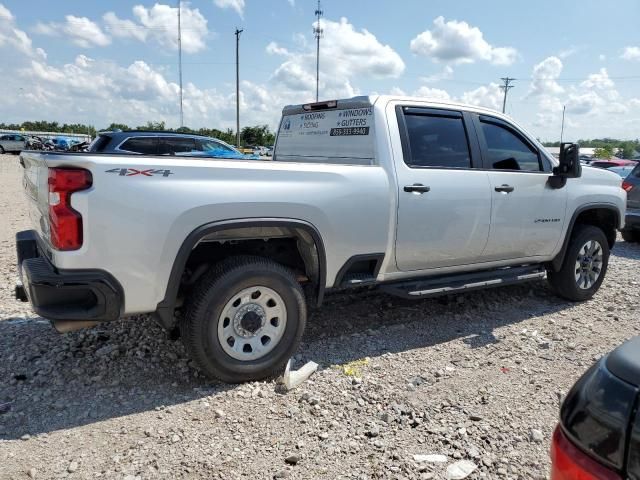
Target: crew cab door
444, 203
527, 215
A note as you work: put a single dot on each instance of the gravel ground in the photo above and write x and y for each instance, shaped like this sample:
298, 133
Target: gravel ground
476, 377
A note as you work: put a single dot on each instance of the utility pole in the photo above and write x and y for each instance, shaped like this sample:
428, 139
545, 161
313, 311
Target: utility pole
562, 128
180, 61
238, 32
506, 87
317, 31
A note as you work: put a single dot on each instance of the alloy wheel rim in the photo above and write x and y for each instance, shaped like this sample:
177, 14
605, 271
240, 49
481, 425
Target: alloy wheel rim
588, 264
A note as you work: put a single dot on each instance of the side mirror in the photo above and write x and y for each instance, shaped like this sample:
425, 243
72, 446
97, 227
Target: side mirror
569, 167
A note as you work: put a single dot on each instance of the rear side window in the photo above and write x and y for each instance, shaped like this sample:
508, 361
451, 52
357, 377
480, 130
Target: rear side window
99, 143
507, 151
142, 145
437, 141
176, 145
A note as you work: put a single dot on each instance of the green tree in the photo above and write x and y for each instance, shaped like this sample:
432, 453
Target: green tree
116, 126
258, 135
605, 151
153, 126
628, 150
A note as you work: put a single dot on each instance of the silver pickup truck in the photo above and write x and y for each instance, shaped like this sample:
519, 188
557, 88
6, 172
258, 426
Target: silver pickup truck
414, 197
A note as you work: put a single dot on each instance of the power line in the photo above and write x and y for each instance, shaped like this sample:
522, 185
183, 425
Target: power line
506, 87
317, 31
237, 34
180, 61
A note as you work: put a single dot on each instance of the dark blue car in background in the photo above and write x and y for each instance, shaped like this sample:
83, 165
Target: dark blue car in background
163, 143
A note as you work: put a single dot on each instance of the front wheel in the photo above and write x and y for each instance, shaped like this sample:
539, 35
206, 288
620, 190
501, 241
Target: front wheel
585, 265
244, 320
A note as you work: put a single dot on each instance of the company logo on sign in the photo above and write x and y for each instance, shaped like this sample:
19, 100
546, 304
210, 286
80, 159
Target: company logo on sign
287, 124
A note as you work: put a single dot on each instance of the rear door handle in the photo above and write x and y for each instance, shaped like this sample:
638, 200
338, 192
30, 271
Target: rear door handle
504, 188
416, 188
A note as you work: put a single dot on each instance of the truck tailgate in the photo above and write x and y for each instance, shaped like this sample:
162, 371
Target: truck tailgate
36, 187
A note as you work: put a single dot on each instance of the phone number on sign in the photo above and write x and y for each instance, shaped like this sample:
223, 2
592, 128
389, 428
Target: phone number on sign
341, 132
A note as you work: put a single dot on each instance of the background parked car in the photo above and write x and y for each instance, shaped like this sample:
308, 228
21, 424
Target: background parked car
599, 432
631, 231
615, 162
163, 143
622, 171
12, 142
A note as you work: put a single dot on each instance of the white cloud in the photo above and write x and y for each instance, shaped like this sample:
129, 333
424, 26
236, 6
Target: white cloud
432, 93
447, 72
631, 53
598, 80
15, 38
237, 5
80, 30
123, 28
602, 57
458, 42
544, 77
161, 23
274, 49
346, 53
583, 103
489, 96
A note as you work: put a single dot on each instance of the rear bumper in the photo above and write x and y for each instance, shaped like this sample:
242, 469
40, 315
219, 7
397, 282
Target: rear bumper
632, 219
64, 294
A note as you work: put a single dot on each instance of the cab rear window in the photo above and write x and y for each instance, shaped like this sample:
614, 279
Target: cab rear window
327, 136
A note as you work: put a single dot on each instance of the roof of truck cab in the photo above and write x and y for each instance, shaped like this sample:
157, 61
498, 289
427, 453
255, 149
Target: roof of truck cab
370, 100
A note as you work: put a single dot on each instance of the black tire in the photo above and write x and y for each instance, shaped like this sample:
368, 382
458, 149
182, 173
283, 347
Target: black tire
199, 327
564, 282
630, 236
1, 150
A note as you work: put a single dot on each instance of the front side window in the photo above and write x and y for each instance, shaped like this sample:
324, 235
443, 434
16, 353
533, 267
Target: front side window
507, 151
142, 145
437, 141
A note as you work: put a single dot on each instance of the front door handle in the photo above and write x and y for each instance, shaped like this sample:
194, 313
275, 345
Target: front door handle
504, 188
416, 188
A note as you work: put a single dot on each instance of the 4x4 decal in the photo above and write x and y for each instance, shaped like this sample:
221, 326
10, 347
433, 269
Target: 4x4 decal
130, 172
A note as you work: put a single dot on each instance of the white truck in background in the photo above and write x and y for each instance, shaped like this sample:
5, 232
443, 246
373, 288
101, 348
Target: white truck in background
415, 197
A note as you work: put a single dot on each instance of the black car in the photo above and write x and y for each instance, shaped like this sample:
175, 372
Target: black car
162, 143
631, 231
599, 432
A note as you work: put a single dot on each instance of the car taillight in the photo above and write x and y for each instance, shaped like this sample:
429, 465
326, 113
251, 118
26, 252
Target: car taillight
626, 186
570, 463
65, 224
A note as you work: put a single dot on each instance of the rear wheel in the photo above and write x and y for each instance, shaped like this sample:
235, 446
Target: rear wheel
244, 320
631, 236
1, 150
585, 264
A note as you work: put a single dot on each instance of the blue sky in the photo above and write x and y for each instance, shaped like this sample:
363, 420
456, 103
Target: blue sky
103, 62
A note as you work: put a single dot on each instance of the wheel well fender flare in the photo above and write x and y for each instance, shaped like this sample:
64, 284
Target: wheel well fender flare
558, 260
166, 306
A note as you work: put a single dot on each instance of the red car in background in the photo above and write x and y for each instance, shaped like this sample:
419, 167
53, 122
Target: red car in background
614, 162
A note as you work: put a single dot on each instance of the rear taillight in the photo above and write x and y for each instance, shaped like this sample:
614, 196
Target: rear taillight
570, 463
626, 186
65, 224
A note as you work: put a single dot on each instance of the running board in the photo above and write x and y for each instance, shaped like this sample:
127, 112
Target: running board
465, 282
